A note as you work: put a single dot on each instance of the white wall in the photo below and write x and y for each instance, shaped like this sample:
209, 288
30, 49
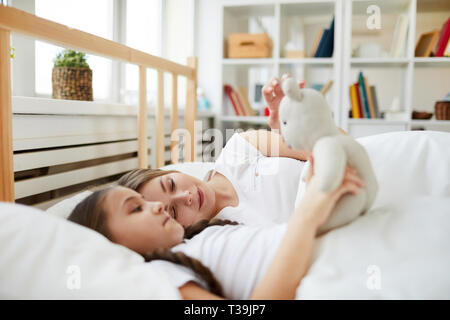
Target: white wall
207, 50
23, 65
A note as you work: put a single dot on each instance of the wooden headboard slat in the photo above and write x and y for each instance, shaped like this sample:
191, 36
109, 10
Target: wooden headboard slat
14, 20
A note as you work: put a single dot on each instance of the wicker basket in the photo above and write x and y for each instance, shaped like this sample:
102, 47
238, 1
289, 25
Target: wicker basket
72, 83
442, 110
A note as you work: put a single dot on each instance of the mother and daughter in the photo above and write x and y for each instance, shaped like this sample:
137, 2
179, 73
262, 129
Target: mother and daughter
237, 234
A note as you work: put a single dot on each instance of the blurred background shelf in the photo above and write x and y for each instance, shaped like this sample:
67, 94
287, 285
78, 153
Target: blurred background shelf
402, 80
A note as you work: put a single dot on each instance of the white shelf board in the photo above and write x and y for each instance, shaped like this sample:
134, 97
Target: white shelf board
246, 119
249, 61
432, 122
309, 61
377, 62
376, 121
432, 62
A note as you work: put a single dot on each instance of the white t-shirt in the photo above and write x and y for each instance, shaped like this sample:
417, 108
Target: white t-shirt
238, 256
266, 186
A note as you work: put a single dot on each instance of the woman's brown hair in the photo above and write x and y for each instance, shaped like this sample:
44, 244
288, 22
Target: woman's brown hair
90, 213
135, 179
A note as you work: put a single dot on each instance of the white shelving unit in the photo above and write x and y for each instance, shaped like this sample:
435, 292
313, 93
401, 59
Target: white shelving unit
238, 16
409, 78
394, 77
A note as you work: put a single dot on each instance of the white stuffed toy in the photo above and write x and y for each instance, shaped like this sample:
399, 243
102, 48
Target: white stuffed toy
307, 124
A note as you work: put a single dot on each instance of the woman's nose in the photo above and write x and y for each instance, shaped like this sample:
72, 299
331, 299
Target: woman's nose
185, 197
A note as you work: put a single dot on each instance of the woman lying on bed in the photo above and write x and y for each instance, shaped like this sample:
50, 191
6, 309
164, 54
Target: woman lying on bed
250, 262
254, 180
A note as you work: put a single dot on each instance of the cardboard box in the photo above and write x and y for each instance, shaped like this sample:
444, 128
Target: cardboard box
247, 45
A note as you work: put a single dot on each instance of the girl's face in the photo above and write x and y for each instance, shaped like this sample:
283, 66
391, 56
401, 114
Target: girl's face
137, 224
186, 198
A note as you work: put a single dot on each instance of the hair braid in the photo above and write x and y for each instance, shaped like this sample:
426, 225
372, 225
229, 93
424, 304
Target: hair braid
199, 226
191, 263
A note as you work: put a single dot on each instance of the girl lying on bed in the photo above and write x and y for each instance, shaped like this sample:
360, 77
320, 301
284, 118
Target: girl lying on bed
264, 262
254, 180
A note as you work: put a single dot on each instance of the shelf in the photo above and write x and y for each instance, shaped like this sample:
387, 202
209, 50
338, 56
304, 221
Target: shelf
246, 119
379, 62
376, 121
432, 62
308, 61
249, 61
432, 122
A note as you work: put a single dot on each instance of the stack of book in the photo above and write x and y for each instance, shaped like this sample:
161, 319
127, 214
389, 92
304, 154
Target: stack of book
434, 43
239, 101
324, 43
363, 98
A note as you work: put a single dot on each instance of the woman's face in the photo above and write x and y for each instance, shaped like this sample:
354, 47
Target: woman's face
186, 198
137, 224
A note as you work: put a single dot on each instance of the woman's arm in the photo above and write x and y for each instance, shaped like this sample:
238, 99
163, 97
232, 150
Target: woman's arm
293, 257
192, 291
270, 144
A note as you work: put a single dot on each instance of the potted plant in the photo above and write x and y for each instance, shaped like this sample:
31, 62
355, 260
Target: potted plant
71, 76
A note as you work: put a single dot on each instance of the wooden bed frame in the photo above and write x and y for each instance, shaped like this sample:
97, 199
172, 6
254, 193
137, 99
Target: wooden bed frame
14, 20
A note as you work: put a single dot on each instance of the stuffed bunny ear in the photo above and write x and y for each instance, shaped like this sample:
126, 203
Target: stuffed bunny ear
291, 89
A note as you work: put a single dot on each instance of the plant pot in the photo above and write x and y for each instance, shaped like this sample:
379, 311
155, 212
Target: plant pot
72, 83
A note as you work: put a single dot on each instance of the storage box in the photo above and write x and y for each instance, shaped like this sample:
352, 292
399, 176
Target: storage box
247, 45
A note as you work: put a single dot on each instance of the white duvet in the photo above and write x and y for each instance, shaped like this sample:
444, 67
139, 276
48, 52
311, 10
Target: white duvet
400, 249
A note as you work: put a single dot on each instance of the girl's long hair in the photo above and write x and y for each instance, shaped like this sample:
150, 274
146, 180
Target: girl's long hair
90, 213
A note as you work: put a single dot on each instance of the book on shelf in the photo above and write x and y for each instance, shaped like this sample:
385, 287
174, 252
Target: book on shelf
239, 101
326, 43
354, 102
426, 43
444, 36
316, 43
243, 98
369, 98
375, 101
363, 99
447, 50
232, 99
398, 44
358, 99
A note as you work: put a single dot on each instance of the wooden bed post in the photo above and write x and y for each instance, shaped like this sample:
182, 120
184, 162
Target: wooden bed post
142, 119
174, 117
159, 117
191, 112
6, 149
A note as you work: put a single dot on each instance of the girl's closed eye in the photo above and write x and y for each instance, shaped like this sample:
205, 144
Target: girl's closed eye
172, 184
137, 209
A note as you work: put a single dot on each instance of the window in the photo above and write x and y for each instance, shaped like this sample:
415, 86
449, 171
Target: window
158, 27
90, 16
143, 32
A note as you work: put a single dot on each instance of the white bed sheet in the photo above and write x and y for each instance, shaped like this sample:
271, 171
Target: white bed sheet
400, 249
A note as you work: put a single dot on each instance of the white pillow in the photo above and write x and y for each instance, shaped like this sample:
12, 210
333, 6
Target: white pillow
406, 164
45, 257
65, 207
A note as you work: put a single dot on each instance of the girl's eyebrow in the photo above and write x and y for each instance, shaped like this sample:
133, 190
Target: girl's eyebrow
131, 198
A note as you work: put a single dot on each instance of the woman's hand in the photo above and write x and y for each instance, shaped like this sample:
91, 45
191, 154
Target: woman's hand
273, 94
316, 205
